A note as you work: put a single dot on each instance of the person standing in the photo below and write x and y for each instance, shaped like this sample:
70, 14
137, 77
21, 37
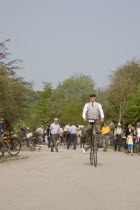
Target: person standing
48, 137
129, 142
105, 134
73, 136
65, 134
61, 138
128, 130
28, 138
83, 136
118, 137
40, 132
93, 110
138, 136
54, 133
1, 125
23, 131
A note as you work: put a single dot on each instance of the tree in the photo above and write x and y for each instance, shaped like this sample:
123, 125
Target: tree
133, 108
66, 101
123, 82
13, 92
78, 85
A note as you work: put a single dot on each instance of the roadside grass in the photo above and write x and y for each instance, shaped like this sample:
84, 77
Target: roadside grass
24, 149
122, 150
11, 157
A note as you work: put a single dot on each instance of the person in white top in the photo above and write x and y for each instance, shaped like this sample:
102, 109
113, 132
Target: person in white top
93, 110
65, 134
118, 137
138, 135
54, 132
28, 138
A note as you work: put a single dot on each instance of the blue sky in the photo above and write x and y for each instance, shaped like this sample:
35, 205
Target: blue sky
56, 38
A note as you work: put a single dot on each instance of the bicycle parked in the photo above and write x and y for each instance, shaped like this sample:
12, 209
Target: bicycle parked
11, 143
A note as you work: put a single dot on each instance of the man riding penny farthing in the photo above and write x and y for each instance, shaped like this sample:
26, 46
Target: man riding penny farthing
93, 115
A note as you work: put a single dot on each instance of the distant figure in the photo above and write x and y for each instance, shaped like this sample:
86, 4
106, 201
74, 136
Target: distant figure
138, 135
28, 138
83, 137
54, 133
66, 133
105, 134
129, 142
73, 136
40, 132
1, 125
118, 137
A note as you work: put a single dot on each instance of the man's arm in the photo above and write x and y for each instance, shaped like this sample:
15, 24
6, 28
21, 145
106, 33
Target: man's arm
101, 112
69, 129
85, 111
50, 131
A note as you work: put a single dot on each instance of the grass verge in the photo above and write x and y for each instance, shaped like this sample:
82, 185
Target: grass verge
12, 157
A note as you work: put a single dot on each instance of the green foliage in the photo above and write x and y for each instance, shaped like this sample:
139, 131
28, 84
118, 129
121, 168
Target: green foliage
19, 103
78, 85
13, 94
66, 101
72, 111
123, 84
132, 108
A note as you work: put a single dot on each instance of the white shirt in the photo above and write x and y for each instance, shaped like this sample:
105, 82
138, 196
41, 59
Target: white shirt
86, 107
67, 127
54, 128
73, 129
29, 135
118, 131
138, 132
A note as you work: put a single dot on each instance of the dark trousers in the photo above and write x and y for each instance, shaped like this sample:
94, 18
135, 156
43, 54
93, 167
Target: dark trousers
27, 142
49, 141
72, 138
54, 138
82, 141
118, 142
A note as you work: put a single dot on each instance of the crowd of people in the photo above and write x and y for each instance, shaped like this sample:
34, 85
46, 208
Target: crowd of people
73, 134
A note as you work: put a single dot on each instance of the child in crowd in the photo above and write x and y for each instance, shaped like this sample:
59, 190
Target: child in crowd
129, 142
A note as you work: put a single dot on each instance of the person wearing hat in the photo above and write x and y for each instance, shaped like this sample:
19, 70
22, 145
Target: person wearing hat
54, 133
118, 137
93, 110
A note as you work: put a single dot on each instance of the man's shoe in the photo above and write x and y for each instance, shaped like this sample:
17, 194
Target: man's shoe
105, 150
51, 150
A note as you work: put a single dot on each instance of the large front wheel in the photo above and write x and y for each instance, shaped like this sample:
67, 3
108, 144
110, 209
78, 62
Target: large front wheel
95, 151
91, 156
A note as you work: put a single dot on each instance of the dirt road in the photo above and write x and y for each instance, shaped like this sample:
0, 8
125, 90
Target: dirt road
66, 181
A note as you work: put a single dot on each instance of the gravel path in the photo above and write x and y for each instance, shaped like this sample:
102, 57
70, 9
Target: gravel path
66, 181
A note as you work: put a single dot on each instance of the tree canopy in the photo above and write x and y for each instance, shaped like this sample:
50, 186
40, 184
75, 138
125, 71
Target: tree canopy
20, 103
